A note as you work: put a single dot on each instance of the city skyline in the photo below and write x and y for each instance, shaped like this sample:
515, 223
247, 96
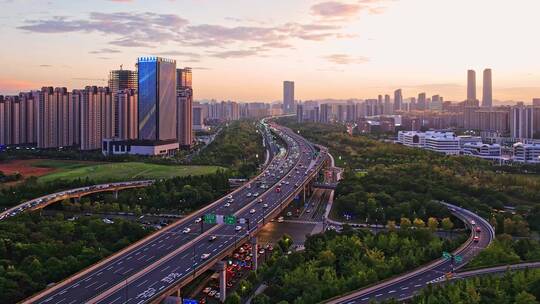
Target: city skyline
335, 42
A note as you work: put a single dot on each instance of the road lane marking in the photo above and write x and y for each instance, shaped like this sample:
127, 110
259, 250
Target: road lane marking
165, 269
100, 286
92, 284
142, 283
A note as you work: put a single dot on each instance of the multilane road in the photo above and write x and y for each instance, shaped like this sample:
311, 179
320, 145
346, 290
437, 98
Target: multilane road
407, 285
151, 267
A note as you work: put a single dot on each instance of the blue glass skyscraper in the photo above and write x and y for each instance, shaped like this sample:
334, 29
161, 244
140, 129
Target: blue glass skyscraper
157, 98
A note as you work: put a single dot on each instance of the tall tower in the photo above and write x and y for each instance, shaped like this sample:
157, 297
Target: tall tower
184, 97
157, 98
422, 102
288, 97
398, 100
487, 96
471, 85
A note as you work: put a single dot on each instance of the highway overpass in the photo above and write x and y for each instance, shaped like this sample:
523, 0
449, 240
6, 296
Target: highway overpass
160, 264
46, 200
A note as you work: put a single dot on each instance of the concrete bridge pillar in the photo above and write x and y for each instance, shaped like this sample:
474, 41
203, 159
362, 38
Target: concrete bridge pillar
254, 251
115, 194
221, 267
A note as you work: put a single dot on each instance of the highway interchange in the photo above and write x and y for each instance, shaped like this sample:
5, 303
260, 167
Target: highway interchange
145, 270
154, 266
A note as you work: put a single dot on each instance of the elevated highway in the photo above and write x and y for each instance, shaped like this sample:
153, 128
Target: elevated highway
407, 285
77, 193
160, 264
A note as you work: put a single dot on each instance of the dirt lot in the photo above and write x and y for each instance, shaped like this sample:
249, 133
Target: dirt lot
24, 167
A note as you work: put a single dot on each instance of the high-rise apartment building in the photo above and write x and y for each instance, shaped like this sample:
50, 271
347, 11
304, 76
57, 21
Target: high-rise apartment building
157, 103
487, 95
325, 113
126, 115
57, 118
300, 113
97, 117
521, 121
471, 85
288, 97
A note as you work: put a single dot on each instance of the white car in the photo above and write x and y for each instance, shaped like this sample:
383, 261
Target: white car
249, 194
198, 220
186, 230
229, 196
252, 211
227, 205
260, 201
238, 228
205, 256
255, 194
265, 206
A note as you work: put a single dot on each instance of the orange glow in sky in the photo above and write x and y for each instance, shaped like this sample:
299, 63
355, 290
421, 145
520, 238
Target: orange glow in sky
243, 49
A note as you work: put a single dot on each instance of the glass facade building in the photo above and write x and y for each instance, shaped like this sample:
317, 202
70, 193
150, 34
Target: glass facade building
157, 98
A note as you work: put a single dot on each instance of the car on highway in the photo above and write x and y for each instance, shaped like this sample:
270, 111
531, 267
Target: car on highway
227, 205
186, 230
198, 220
252, 211
260, 200
229, 196
212, 238
473, 222
308, 211
476, 239
265, 206
478, 229
238, 228
280, 219
255, 194
205, 256
248, 194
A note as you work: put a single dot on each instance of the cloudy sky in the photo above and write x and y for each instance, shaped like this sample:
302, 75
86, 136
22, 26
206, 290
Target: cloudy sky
244, 49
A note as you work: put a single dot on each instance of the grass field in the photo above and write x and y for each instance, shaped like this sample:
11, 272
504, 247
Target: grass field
120, 171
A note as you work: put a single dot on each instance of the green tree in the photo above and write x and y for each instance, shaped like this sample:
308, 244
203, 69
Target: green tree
233, 298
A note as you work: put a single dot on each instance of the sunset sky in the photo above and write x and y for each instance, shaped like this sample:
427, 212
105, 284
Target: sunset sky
243, 49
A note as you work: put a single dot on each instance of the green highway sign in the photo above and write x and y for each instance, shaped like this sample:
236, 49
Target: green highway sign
458, 259
446, 255
210, 218
229, 219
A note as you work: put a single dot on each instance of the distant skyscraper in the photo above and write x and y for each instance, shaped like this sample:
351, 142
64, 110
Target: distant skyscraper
122, 80
471, 85
536, 102
388, 107
421, 101
487, 96
288, 97
436, 103
157, 104
398, 100
300, 113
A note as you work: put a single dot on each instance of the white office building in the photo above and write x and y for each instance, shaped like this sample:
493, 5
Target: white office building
442, 142
526, 153
412, 139
485, 151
